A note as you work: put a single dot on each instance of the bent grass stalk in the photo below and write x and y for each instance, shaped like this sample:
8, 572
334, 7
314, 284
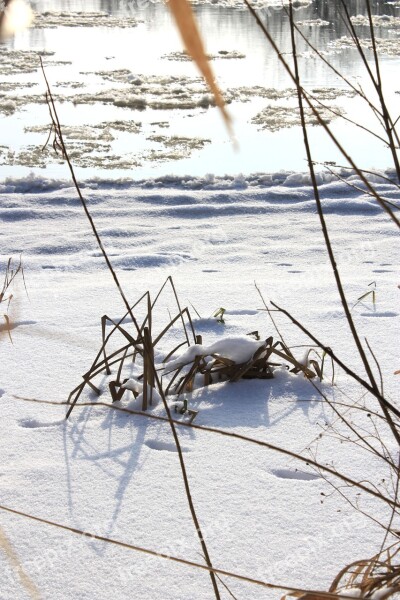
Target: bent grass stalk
312, 595
388, 126
6, 295
325, 232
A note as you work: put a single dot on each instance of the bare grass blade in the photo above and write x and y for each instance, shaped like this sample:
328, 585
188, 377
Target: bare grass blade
188, 28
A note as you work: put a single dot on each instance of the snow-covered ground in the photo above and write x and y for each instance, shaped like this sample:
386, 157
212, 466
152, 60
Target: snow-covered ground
143, 134
263, 514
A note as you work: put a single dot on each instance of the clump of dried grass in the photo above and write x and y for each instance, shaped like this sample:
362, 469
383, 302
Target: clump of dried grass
217, 367
6, 294
138, 348
376, 577
120, 349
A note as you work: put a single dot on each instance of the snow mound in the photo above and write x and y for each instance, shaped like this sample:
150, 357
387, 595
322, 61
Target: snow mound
240, 349
32, 183
279, 179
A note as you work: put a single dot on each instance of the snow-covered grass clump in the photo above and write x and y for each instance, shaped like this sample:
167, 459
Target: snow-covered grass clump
239, 349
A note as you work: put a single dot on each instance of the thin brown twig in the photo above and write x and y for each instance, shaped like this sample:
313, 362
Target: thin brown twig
374, 391
376, 80
337, 113
363, 441
393, 513
182, 561
348, 424
389, 125
378, 366
325, 232
358, 90
196, 522
269, 311
369, 172
354, 186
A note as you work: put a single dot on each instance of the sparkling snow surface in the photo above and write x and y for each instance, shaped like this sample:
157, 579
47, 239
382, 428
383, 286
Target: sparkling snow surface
118, 475
144, 159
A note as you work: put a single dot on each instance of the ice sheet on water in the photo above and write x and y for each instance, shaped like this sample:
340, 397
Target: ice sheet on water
221, 54
386, 47
91, 146
377, 20
7, 107
258, 4
50, 19
313, 23
276, 117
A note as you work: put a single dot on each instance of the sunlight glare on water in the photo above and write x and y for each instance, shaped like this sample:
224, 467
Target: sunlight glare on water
171, 127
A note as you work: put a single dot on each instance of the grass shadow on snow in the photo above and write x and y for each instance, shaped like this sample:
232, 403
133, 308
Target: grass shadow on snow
117, 460
255, 403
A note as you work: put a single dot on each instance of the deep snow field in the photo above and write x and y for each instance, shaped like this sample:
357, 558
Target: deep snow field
117, 475
251, 222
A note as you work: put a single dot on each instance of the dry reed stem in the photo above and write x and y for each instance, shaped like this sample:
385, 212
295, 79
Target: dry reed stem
187, 25
377, 577
314, 595
339, 285
376, 80
59, 136
29, 585
318, 117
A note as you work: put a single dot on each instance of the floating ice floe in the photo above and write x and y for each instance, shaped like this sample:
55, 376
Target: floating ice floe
7, 107
221, 54
377, 21
90, 146
13, 62
313, 23
274, 117
258, 4
50, 19
387, 47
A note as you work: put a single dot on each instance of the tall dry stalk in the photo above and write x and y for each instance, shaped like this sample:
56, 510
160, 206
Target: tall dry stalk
389, 411
320, 120
59, 137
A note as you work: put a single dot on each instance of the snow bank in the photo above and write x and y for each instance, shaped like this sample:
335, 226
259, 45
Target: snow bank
32, 183
279, 179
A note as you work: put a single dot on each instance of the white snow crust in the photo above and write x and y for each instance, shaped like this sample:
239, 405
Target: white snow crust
240, 349
116, 474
